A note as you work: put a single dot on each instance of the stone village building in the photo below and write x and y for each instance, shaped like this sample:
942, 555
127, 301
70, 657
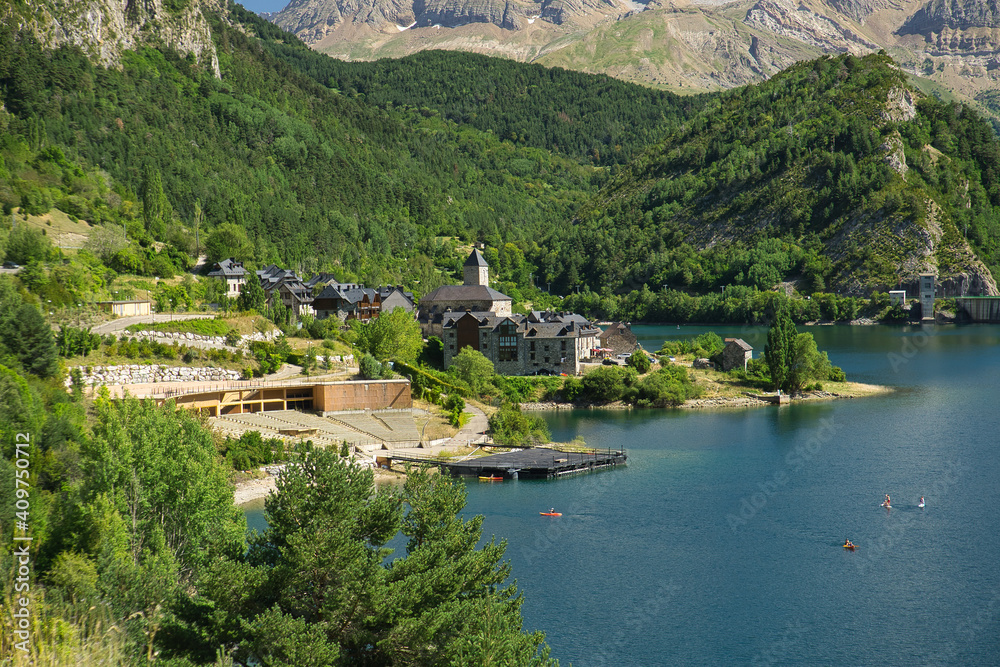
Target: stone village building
285, 286
618, 339
537, 343
735, 354
474, 295
233, 273
347, 301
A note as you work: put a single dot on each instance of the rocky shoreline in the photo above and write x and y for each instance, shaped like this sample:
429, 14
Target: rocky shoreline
744, 401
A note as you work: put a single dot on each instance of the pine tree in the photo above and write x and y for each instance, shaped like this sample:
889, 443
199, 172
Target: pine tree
316, 588
29, 338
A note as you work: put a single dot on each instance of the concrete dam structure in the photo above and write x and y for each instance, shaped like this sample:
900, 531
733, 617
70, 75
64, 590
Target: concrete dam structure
980, 308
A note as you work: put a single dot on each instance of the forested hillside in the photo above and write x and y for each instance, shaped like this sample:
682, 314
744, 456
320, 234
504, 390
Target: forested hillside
835, 171
592, 117
316, 178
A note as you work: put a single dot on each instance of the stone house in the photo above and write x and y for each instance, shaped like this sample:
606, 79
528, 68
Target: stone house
619, 339
538, 343
474, 295
285, 286
395, 297
233, 273
735, 354
294, 295
348, 301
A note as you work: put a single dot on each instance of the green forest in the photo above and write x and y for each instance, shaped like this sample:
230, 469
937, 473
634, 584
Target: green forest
375, 171
590, 195
788, 178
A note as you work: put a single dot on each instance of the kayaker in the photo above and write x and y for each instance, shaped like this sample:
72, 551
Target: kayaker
552, 510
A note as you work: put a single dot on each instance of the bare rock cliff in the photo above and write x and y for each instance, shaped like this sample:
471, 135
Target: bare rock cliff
939, 15
104, 29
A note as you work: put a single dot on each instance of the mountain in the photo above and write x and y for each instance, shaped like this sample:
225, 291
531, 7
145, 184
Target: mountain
315, 178
684, 46
104, 30
834, 175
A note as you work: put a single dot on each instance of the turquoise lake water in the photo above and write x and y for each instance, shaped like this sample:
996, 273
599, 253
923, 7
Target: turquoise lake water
719, 543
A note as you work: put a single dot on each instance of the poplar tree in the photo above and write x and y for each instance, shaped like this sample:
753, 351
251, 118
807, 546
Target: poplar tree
779, 350
252, 297
155, 207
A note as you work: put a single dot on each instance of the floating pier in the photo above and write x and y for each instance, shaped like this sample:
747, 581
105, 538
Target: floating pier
533, 463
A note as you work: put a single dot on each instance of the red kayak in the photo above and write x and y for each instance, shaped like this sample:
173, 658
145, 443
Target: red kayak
551, 513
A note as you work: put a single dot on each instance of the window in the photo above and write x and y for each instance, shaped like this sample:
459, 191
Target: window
531, 346
508, 343
562, 345
531, 357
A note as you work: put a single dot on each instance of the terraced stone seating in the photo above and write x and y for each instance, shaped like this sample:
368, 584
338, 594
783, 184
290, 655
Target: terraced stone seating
367, 430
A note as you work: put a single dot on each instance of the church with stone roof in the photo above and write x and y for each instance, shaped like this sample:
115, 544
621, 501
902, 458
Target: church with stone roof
477, 316
474, 294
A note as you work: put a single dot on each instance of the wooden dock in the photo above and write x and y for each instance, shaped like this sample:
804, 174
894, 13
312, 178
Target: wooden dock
533, 463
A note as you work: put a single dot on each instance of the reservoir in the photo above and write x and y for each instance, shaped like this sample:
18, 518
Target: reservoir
720, 542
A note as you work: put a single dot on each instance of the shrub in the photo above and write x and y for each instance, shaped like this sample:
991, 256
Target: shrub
572, 389
608, 383
639, 361
667, 386
454, 405
510, 426
233, 338
252, 450
72, 341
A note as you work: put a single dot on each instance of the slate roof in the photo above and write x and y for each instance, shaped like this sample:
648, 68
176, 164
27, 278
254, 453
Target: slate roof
550, 329
347, 292
476, 259
324, 278
228, 268
739, 342
465, 293
273, 276
389, 289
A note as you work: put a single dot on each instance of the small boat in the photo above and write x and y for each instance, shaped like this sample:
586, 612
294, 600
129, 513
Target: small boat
490, 479
551, 513
852, 547
921, 503
887, 506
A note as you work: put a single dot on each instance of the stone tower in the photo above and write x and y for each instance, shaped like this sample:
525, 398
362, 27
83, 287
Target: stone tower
475, 270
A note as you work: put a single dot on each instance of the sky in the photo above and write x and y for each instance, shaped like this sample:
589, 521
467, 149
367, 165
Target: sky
259, 6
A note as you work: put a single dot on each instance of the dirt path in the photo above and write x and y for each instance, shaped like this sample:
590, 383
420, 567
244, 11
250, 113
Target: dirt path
123, 322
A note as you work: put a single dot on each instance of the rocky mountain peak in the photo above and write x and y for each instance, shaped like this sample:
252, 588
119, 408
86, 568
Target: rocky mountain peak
104, 29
